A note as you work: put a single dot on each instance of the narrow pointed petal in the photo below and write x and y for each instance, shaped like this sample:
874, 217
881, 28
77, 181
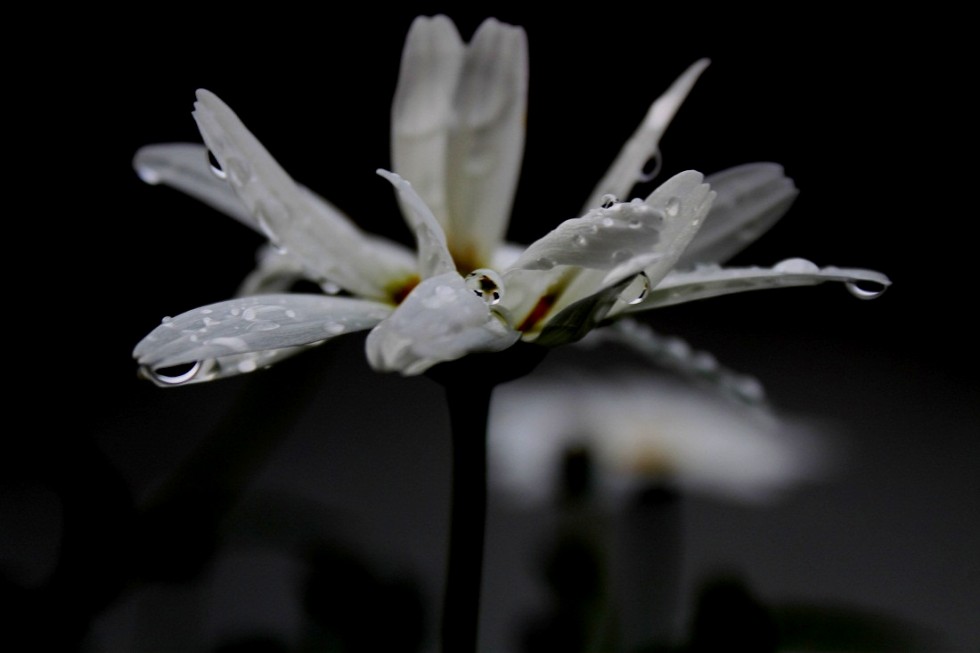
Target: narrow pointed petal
714, 281
627, 170
185, 166
220, 334
629, 237
675, 355
487, 142
749, 199
317, 234
422, 111
440, 320
434, 257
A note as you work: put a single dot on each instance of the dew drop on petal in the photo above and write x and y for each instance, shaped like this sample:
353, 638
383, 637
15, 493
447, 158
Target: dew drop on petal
865, 289
486, 284
651, 168
545, 263
216, 166
750, 389
637, 290
608, 200
336, 328
580, 240
673, 206
635, 223
796, 266
291, 314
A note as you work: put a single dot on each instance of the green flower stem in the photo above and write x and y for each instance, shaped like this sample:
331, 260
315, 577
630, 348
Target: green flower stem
469, 407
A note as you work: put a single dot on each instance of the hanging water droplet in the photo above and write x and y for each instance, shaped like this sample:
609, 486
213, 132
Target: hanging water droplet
865, 289
216, 166
651, 168
673, 206
608, 200
486, 284
173, 374
148, 175
637, 290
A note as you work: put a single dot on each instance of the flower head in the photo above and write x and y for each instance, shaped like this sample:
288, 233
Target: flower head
457, 142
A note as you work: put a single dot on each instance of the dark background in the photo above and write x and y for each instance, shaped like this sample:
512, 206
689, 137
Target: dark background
863, 114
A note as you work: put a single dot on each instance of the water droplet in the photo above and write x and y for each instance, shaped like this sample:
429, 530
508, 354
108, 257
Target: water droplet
637, 290
166, 320
236, 311
651, 168
174, 374
291, 314
216, 166
336, 328
865, 289
486, 284
796, 266
236, 344
580, 240
148, 175
750, 389
673, 206
608, 222
545, 263
249, 314
206, 311
608, 200
635, 223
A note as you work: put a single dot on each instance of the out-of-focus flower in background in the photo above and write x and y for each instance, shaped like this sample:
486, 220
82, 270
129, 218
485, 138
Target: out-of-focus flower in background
642, 430
457, 143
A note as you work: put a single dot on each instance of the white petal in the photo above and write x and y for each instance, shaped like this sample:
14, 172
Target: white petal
221, 333
434, 257
627, 169
422, 111
627, 237
749, 199
329, 246
458, 129
617, 243
487, 142
713, 281
185, 166
440, 320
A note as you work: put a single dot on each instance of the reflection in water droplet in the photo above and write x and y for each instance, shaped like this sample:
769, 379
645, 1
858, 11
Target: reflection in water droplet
865, 289
216, 166
637, 289
174, 375
608, 200
673, 206
486, 284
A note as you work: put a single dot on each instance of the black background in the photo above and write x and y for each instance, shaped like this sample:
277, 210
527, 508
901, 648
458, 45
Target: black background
865, 115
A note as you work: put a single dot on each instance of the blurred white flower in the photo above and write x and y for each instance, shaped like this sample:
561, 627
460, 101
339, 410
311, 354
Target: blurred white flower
458, 137
638, 430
